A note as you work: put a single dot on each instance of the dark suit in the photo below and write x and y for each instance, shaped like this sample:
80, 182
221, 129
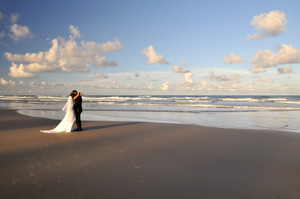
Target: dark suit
78, 109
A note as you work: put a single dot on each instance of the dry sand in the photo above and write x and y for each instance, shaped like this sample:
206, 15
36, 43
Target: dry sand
145, 160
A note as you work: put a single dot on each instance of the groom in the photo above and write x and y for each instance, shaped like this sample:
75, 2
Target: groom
78, 109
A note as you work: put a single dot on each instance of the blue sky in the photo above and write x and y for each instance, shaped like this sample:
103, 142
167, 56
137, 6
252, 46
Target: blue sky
150, 47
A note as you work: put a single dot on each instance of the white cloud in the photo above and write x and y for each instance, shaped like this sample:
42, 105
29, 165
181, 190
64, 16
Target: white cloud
150, 87
36, 67
204, 84
14, 18
153, 57
125, 86
227, 86
235, 77
107, 47
16, 31
265, 80
188, 78
99, 75
11, 82
183, 63
47, 85
101, 62
28, 57
68, 55
256, 77
233, 59
18, 72
178, 69
2, 34
271, 24
257, 70
3, 81
265, 58
19, 32
52, 54
165, 86
214, 77
224, 78
31, 84
74, 32
187, 75
285, 70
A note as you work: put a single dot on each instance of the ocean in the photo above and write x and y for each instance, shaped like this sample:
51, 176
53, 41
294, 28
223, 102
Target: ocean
241, 112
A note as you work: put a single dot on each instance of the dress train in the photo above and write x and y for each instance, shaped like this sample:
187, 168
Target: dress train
66, 125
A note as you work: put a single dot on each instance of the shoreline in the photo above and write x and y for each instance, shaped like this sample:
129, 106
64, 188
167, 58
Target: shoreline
145, 160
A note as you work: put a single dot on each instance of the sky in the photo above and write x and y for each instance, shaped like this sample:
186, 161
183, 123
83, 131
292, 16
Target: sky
158, 47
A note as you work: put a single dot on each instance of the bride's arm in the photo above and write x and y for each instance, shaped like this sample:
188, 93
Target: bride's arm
80, 93
75, 96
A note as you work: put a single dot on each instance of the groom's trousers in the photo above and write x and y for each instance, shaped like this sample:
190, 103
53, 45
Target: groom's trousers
78, 121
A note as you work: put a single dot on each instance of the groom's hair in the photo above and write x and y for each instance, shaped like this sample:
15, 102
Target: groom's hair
74, 91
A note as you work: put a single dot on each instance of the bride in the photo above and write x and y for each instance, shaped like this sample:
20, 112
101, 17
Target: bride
66, 125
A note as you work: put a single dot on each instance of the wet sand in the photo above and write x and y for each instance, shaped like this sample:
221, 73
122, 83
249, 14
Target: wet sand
145, 160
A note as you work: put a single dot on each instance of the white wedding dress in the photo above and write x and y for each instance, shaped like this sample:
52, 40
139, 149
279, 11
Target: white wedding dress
66, 125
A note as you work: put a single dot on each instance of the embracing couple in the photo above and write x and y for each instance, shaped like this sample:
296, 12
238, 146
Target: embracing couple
73, 109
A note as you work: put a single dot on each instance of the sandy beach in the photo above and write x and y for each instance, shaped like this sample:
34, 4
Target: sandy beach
145, 160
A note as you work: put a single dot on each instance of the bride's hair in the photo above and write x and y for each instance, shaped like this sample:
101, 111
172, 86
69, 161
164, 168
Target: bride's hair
72, 94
